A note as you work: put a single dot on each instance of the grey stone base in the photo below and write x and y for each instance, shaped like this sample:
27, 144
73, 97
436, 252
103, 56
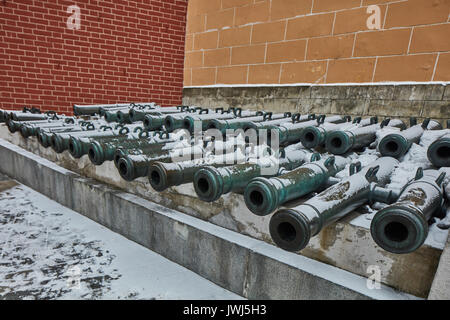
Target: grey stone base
246, 266
388, 100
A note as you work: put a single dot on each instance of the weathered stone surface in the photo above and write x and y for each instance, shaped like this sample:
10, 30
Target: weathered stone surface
383, 100
329, 92
281, 105
437, 109
318, 106
358, 92
446, 93
382, 92
435, 92
348, 107
394, 108
412, 92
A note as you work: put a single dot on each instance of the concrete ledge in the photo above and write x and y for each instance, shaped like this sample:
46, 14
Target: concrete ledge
246, 266
401, 100
440, 290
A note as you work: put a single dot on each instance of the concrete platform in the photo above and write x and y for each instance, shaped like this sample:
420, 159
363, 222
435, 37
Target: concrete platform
246, 266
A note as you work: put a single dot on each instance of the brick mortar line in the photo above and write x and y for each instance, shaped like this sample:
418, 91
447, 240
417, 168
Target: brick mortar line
410, 40
435, 66
322, 60
303, 15
325, 36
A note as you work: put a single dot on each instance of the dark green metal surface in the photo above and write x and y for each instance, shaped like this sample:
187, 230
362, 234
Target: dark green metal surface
211, 183
397, 144
291, 229
264, 195
439, 152
403, 226
341, 142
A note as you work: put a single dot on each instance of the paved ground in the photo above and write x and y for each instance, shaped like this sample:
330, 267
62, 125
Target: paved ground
50, 252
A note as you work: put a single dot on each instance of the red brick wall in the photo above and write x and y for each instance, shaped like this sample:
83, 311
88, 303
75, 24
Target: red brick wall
124, 51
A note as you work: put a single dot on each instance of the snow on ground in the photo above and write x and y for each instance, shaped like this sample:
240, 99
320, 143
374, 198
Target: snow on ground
48, 251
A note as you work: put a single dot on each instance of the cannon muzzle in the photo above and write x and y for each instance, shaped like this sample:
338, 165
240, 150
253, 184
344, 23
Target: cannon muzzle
403, 226
439, 152
264, 195
396, 145
292, 228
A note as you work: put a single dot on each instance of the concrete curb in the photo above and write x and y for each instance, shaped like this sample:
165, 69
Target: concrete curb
243, 265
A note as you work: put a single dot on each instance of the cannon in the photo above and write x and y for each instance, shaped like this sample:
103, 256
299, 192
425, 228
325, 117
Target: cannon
60, 141
292, 228
164, 175
103, 149
211, 183
176, 121
264, 195
402, 227
90, 110
112, 114
439, 152
240, 123
314, 136
397, 144
138, 113
220, 114
341, 142
32, 128
100, 149
14, 120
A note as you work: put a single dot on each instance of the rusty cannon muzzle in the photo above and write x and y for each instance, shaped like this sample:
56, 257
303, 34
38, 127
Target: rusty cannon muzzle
292, 228
403, 226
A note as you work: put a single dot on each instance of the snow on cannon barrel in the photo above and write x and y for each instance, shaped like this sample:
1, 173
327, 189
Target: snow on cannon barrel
264, 195
139, 112
32, 128
133, 166
288, 133
343, 141
313, 136
176, 121
101, 149
292, 228
402, 227
164, 175
60, 141
90, 110
211, 183
240, 123
104, 148
397, 144
220, 114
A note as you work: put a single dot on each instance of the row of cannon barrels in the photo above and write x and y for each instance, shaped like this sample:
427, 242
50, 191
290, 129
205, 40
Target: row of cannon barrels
313, 151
